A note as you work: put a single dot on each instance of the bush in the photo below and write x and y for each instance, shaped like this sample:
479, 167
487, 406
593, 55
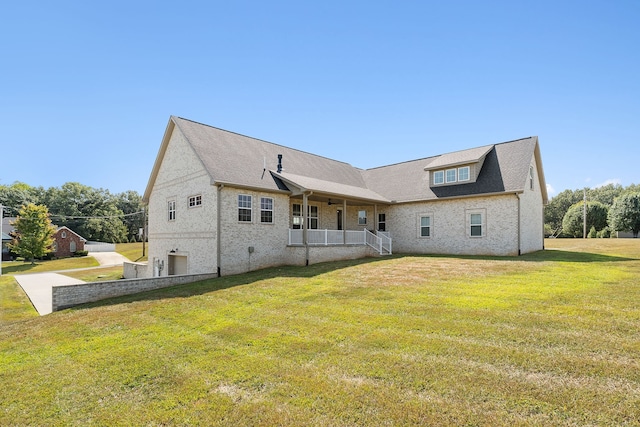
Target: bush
592, 233
81, 253
605, 233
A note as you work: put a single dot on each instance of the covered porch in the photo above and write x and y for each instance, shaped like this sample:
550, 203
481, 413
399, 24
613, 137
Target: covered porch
325, 213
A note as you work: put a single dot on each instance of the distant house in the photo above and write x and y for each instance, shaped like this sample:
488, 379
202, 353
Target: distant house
227, 203
66, 242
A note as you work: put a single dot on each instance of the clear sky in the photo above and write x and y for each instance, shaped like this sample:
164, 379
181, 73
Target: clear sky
87, 88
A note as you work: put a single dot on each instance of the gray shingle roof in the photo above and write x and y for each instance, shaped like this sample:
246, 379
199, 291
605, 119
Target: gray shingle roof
472, 155
505, 169
242, 161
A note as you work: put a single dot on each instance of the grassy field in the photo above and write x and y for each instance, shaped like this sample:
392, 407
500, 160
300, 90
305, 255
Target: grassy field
551, 338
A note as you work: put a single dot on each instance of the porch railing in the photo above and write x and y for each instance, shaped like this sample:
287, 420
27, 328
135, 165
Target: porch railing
380, 242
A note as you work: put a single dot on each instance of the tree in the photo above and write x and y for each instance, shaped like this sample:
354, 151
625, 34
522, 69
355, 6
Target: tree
624, 214
555, 211
572, 223
33, 232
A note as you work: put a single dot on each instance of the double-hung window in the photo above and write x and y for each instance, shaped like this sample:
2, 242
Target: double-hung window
362, 217
425, 226
244, 208
382, 222
476, 225
266, 210
171, 210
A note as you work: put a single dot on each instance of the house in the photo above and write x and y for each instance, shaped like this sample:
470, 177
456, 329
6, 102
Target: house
66, 242
227, 203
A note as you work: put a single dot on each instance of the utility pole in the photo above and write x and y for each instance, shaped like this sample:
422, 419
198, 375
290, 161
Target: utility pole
584, 214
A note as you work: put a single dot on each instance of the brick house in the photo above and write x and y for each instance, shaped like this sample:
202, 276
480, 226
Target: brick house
227, 203
66, 242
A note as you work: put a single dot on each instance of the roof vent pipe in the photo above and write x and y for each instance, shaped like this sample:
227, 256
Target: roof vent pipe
279, 163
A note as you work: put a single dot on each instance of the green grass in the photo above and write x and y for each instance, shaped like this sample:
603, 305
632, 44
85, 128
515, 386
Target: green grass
133, 251
21, 267
551, 338
96, 274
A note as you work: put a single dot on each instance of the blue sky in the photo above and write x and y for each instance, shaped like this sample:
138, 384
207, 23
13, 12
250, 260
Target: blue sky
87, 88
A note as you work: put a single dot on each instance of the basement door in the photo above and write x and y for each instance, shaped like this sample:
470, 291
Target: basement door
177, 265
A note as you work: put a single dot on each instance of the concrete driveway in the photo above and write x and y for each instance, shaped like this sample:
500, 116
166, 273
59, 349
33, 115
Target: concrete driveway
109, 259
38, 287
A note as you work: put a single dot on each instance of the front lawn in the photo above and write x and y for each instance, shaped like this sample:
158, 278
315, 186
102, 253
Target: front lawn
551, 338
25, 267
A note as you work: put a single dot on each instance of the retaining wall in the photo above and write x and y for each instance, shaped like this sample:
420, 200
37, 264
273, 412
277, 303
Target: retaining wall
66, 296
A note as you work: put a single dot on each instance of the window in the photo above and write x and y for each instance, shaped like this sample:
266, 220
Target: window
171, 210
451, 175
438, 177
63, 234
266, 210
312, 222
382, 222
531, 177
297, 216
195, 201
425, 226
244, 208
475, 220
362, 217
463, 173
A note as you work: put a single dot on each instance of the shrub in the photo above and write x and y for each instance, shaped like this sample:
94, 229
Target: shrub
592, 233
81, 253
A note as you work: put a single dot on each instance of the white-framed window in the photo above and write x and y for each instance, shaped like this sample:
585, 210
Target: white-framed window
63, 234
266, 210
296, 216
312, 217
476, 223
450, 175
362, 217
244, 208
424, 224
531, 177
171, 210
438, 177
464, 173
195, 201
382, 222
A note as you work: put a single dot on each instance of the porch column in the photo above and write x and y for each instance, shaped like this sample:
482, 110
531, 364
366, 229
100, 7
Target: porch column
305, 218
375, 219
344, 221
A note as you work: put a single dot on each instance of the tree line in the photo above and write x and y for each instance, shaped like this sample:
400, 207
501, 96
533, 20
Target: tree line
95, 214
610, 208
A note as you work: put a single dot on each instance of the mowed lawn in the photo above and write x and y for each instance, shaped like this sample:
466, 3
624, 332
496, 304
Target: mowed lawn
551, 338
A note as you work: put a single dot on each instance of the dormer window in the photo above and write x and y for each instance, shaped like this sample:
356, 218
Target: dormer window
451, 175
463, 173
438, 177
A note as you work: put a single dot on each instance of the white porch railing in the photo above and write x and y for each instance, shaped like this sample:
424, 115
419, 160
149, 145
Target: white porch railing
380, 242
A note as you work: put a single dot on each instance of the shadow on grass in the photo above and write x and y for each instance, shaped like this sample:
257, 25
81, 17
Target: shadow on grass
226, 282
18, 267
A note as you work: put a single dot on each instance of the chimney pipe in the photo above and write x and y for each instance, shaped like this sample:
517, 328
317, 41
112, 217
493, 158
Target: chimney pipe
279, 163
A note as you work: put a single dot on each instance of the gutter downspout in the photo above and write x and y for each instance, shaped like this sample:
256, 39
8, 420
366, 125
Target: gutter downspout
218, 228
519, 219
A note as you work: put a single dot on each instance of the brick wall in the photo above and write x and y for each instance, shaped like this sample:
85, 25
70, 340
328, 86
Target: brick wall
66, 296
